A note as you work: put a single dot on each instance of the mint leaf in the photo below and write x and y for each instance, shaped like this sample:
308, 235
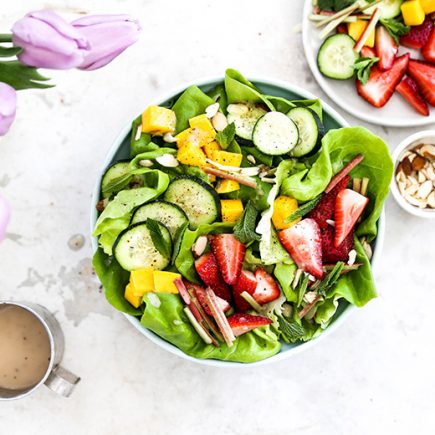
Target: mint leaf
157, 237
395, 28
178, 238
363, 67
20, 76
226, 136
301, 289
331, 279
244, 230
290, 329
303, 209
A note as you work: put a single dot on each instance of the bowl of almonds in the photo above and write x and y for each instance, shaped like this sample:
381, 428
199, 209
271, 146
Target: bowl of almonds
414, 182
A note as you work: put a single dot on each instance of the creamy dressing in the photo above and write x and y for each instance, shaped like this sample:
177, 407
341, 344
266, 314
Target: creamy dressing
24, 348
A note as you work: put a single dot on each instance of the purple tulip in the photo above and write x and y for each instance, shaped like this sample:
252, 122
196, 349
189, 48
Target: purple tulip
48, 41
108, 35
8, 101
5, 214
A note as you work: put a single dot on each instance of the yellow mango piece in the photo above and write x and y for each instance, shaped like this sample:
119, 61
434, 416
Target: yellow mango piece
232, 209
210, 148
227, 186
203, 129
357, 28
428, 6
158, 120
413, 13
283, 207
131, 297
164, 281
142, 281
227, 159
192, 155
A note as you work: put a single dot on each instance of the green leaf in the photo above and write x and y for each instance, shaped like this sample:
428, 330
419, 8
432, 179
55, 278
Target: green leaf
244, 230
157, 237
363, 67
291, 330
21, 77
5, 37
226, 136
10, 51
395, 28
303, 209
331, 279
301, 289
178, 238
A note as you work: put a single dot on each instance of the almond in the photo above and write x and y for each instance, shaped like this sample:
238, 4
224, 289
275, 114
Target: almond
418, 163
411, 190
407, 166
431, 200
421, 177
427, 151
425, 189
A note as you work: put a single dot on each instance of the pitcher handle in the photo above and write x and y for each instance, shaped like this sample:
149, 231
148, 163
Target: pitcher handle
62, 381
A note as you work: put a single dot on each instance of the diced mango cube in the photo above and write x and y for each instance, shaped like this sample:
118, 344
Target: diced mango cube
283, 207
192, 155
227, 186
357, 28
428, 6
232, 209
203, 128
142, 281
227, 159
131, 297
158, 120
164, 281
210, 148
413, 12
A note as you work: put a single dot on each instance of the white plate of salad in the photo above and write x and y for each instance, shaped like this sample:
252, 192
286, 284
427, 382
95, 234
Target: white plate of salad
236, 221
375, 59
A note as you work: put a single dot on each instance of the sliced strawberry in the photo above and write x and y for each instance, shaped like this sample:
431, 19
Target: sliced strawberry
267, 289
324, 210
409, 90
386, 48
418, 36
208, 270
332, 254
246, 282
349, 206
368, 52
303, 242
424, 75
229, 253
241, 323
381, 85
428, 51
200, 295
341, 28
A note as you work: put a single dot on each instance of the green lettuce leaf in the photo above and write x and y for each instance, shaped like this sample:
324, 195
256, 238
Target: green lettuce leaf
169, 321
143, 143
285, 273
283, 105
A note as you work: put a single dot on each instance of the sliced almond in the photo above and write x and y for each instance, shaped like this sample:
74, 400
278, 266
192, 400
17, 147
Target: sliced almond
238, 109
431, 199
219, 121
146, 163
421, 177
211, 110
251, 159
415, 201
199, 246
330, 222
367, 248
412, 189
352, 257
402, 187
418, 163
138, 132
405, 154
427, 151
412, 179
168, 160
167, 137
430, 173
425, 189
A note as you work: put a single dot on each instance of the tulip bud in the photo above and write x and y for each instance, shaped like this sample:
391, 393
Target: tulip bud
8, 101
5, 214
108, 36
48, 41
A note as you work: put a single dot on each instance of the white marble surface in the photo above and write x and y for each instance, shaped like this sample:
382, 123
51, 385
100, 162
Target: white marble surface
373, 375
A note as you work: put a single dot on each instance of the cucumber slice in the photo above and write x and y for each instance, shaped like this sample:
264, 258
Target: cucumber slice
310, 130
197, 199
275, 134
388, 8
170, 215
336, 57
134, 248
244, 116
116, 171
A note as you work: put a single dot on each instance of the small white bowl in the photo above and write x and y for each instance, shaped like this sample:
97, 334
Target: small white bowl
425, 137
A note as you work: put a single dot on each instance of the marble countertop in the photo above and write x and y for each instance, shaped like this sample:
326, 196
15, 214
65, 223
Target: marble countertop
372, 375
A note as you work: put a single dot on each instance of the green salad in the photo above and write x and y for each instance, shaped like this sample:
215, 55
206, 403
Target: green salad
238, 223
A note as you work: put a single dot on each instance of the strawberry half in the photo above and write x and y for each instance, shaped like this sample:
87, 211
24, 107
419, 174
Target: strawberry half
409, 90
200, 295
418, 36
208, 270
267, 289
324, 210
332, 254
424, 75
381, 85
386, 48
367, 52
246, 282
349, 206
241, 323
229, 253
303, 242
428, 51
